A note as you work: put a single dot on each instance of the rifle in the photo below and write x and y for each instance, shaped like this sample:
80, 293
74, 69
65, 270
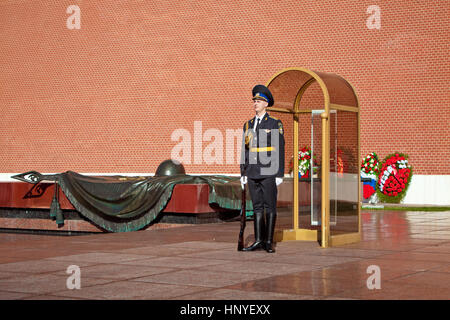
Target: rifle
243, 217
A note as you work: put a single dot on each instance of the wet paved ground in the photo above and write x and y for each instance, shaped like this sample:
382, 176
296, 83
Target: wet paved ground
412, 250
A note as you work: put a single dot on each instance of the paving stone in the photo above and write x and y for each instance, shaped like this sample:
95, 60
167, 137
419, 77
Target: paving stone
412, 250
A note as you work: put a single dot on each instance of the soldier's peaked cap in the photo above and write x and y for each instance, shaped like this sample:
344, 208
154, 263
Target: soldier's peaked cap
263, 93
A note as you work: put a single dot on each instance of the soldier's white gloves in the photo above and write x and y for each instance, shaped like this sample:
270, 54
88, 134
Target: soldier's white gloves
278, 181
243, 181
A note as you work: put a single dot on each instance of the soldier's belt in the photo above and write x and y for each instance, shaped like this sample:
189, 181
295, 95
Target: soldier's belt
262, 149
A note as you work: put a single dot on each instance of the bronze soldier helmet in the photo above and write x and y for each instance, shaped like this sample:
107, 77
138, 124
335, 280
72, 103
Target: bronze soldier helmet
170, 167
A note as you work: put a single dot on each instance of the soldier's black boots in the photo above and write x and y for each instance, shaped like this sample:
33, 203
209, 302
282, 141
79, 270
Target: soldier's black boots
263, 241
271, 219
259, 229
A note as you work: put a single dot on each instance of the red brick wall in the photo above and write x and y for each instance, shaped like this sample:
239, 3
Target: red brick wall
107, 97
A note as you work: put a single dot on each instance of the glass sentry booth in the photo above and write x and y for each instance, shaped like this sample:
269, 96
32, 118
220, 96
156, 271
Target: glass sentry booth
319, 111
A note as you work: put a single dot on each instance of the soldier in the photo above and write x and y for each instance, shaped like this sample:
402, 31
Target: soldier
262, 167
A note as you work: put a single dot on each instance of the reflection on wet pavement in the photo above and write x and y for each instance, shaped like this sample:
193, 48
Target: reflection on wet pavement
411, 249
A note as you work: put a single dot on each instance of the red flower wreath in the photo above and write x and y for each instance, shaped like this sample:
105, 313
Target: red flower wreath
395, 176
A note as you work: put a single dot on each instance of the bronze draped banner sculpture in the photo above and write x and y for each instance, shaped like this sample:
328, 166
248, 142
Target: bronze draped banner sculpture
122, 203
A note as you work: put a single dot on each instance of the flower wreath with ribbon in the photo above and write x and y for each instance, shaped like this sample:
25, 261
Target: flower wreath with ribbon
304, 157
370, 170
394, 179
369, 165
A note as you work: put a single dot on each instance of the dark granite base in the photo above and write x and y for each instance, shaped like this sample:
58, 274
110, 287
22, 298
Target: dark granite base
46, 232
189, 218
38, 214
38, 221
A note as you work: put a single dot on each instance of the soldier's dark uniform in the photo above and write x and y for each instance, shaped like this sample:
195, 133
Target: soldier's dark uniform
262, 163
